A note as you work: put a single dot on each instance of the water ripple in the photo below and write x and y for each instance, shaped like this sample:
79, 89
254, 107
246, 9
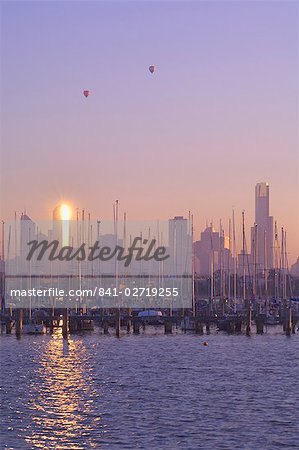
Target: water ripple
149, 392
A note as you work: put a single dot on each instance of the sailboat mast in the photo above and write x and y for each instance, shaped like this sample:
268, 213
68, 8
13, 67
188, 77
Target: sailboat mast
243, 256
98, 239
2, 238
88, 231
276, 262
193, 268
235, 262
220, 262
266, 269
255, 261
115, 210
212, 264
229, 259
282, 265
125, 242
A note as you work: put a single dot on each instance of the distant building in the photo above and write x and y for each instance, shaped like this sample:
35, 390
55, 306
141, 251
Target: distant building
27, 234
295, 268
262, 232
211, 252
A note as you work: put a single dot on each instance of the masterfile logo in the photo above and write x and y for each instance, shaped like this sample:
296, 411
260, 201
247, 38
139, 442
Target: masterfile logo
137, 264
96, 252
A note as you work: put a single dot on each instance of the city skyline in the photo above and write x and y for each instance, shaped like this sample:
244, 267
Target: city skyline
263, 237
264, 228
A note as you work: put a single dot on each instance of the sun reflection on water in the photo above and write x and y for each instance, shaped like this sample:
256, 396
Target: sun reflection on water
62, 397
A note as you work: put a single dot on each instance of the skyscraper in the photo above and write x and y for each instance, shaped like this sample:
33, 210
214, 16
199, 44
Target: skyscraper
211, 252
28, 233
262, 232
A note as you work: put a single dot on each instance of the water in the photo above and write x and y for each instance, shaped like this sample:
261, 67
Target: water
150, 392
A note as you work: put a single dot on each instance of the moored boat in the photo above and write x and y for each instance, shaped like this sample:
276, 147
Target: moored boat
151, 316
34, 328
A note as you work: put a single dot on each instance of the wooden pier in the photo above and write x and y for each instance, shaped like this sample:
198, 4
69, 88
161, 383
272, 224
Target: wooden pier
118, 322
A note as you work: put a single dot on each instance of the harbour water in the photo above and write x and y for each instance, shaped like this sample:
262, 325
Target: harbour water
150, 391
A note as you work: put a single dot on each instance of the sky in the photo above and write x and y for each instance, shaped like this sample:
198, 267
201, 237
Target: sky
219, 114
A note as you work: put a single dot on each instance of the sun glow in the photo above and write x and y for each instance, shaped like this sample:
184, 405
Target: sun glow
65, 212
65, 216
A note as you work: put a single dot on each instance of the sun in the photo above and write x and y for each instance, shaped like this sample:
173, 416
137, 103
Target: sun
65, 212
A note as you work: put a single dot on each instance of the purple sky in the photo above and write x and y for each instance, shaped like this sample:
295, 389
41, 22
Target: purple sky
219, 114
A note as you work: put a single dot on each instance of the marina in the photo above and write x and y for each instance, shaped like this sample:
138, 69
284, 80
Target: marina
118, 321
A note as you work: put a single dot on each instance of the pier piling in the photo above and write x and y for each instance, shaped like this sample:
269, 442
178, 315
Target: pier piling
117, 323
288, 321
248, 322
238, 325
51, 326
65, 325
136, 327
198, 327
105, 327
8, 324
168, 326
19, 322
208, 327
259, 325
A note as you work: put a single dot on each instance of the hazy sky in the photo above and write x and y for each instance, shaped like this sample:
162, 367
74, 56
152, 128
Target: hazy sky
219, 115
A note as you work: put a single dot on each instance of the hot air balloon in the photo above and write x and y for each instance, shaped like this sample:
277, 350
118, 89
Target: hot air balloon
151, 69
86, 93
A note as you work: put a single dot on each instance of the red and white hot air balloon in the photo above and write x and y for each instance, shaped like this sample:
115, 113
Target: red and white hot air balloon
152, 69
86, 93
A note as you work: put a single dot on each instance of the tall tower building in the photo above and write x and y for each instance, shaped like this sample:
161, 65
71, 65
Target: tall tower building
27, 234
262, 232
211, 251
